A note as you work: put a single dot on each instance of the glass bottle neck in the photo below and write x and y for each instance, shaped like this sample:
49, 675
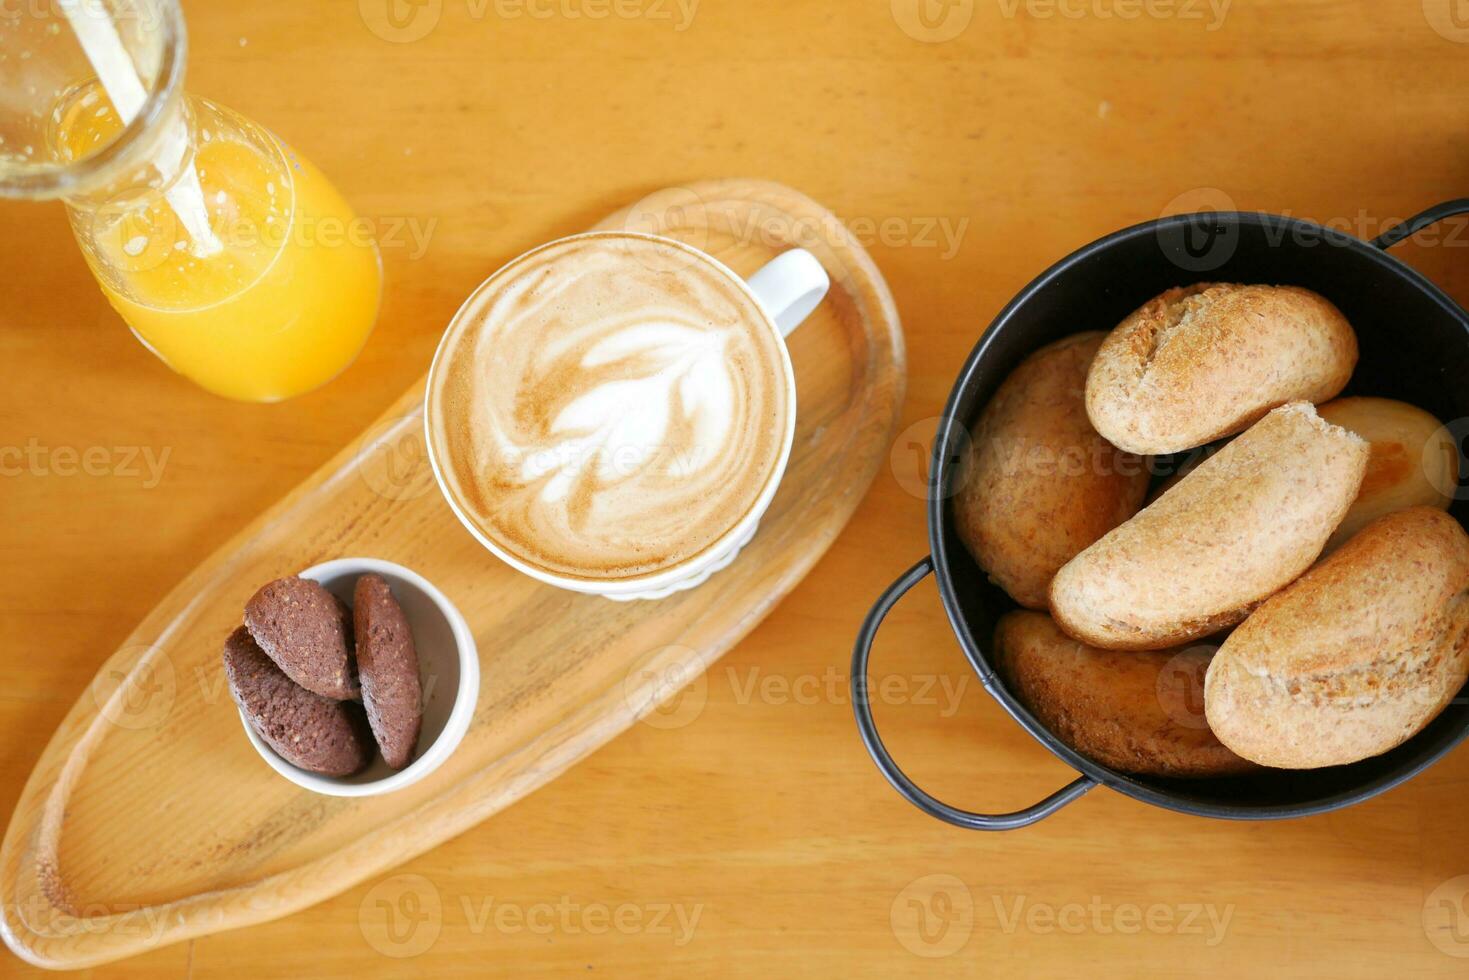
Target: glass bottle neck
133, 49
157, 162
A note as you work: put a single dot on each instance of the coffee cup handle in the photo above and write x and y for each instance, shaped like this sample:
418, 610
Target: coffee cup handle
789, 287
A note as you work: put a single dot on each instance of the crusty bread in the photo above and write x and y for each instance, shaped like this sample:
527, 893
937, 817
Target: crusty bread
1205, 361
1039, 484
1136, 712
1240, 527
1356, 656
1414, 461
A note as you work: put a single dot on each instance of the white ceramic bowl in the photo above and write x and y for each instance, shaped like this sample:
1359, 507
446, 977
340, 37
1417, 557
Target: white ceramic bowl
448, 668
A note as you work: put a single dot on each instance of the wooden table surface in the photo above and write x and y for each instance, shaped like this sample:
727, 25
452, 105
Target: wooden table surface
970, 143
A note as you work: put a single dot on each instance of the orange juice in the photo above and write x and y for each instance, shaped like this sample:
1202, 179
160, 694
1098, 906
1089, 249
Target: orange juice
279, 303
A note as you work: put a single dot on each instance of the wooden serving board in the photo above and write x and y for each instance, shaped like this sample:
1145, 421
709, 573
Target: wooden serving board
150, 819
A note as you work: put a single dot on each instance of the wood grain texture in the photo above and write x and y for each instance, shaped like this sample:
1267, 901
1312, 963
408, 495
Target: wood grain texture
155, 750
967, 167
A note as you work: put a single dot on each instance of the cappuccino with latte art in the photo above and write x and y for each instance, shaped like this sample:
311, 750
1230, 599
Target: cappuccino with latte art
610, 407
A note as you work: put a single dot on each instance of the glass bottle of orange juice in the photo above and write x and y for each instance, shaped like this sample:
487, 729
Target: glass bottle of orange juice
230, 257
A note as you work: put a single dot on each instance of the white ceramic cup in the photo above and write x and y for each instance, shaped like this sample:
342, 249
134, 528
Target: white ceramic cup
448, 667
786, 291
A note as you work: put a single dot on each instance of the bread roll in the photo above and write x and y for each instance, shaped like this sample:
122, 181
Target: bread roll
1136, 712
1356, 656
1040, 484
1240, 527
1414, 461
1202, 362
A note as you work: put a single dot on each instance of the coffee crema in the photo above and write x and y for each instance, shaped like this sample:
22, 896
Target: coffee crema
609, 406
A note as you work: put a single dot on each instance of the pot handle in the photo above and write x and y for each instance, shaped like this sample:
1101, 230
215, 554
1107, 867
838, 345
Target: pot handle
899, 780
1420, 221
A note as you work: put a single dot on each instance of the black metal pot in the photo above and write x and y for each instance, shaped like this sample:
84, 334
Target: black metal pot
1414, 346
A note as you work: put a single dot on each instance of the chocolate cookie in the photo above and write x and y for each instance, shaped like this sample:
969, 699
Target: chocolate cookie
307, 730
387, 664
307, 631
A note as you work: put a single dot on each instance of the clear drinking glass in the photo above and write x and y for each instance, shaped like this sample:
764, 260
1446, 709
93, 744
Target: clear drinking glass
230, 257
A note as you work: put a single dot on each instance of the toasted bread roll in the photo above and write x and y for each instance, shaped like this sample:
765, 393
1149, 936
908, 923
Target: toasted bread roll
1040, 484
1137, 712
1240, 527
1414, 461
1356, 656
1206, 361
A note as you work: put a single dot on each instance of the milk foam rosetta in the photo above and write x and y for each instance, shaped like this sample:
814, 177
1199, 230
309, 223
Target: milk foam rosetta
609, 407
